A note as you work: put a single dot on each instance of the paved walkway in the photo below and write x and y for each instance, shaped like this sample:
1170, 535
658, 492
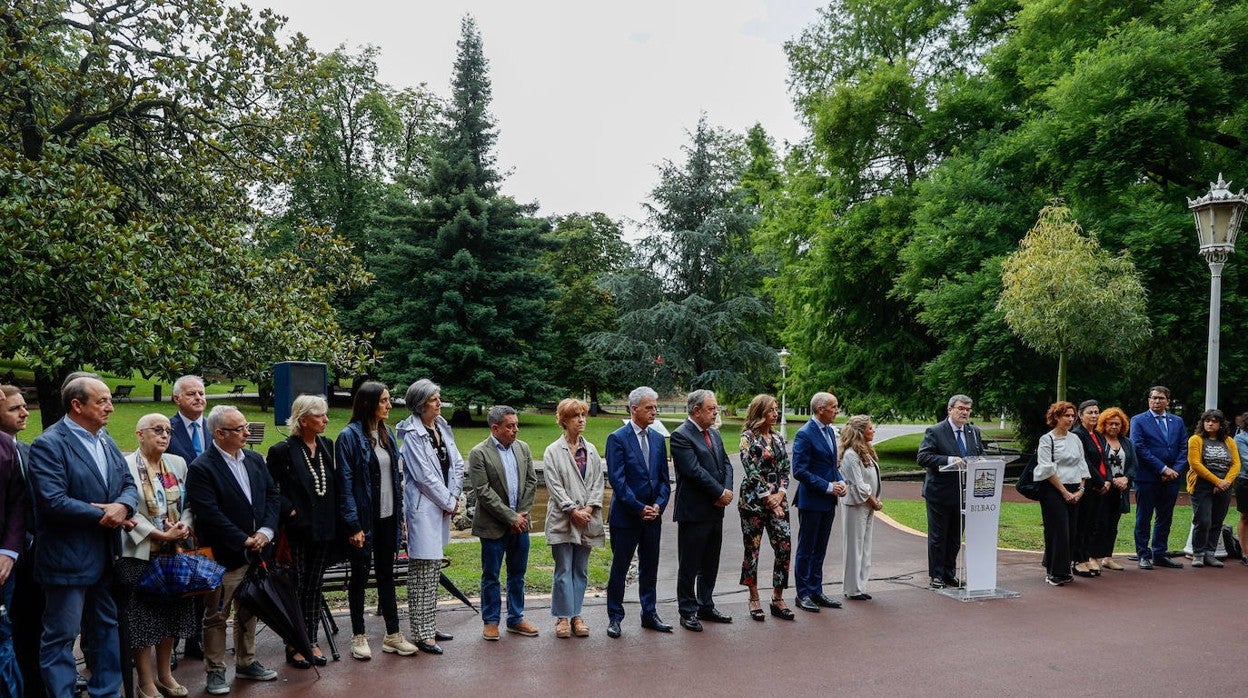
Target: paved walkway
1086, 638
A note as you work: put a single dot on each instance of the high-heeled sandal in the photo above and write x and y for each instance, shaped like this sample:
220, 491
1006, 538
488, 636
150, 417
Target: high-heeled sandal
781, 611
756, 610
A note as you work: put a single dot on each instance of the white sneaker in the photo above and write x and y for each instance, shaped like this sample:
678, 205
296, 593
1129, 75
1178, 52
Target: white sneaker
395, 642
359, 647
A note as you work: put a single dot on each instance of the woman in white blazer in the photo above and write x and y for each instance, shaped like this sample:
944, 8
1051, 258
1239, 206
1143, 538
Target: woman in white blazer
161, 520
860, 468
574, 483
433, 478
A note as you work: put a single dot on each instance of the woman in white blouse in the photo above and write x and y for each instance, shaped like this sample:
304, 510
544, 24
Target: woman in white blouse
1062, 472
860, 468
575, 481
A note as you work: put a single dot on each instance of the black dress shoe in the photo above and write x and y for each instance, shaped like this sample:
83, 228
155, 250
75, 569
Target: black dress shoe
300, 663
714, 616
429, 647
807, 604
937, 583
825, 601
613, 629
858, 597
1164, 561
440, 636
319, 659
690, 623
654, 622
953, 582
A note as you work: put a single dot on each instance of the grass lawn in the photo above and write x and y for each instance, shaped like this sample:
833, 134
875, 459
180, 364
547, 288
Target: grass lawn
1021, 528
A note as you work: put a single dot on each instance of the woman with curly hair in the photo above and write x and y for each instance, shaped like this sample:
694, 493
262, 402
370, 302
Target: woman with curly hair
1062, 473
764, 505
860, 468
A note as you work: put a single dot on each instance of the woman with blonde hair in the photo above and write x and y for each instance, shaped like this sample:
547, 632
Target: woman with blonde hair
303, 468
575, 481
764, 505
860, 468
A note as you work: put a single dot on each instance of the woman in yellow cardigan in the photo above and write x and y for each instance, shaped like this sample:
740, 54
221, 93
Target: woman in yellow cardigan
1212, 466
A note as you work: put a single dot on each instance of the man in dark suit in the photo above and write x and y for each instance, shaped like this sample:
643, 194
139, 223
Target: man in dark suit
1161, 448
637, 470
703, 490
26, 611
943, 452
190, 435
188, 439
501, 472
13, 504
236, 511
819, 484
84, 495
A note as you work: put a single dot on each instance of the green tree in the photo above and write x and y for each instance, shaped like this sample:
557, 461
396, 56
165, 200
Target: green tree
460, 299
588, 248
691, 316
1065, 296
131, 136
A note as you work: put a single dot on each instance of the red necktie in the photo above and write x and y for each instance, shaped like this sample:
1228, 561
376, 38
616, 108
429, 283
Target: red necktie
707, 434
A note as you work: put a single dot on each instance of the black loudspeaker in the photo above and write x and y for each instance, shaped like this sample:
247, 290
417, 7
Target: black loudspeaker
294, 378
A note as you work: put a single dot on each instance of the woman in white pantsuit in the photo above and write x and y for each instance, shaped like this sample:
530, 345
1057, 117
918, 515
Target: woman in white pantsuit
859, 466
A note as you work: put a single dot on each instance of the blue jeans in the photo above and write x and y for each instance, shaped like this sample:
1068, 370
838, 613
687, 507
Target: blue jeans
571, 578
93, 610
515, 547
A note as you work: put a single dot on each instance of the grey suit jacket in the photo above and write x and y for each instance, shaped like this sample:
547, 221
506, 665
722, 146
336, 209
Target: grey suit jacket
494, 517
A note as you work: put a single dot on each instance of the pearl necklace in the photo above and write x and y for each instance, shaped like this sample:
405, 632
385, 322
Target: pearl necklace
320, 483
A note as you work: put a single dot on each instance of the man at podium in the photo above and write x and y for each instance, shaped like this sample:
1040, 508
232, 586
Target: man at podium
943, 453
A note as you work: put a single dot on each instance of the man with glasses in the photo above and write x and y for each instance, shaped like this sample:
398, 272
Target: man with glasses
637, 469
943, 453
819, 485
703, 490
84, 495
236, 507
1161, 447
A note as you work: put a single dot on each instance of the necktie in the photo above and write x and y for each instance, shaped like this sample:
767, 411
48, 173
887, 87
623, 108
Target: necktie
645, 446
961, 444
707, 434
1161, 422
196, 442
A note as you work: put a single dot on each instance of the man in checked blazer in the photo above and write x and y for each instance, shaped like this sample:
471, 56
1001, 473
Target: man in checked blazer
703, 490
1160, 442
501, 471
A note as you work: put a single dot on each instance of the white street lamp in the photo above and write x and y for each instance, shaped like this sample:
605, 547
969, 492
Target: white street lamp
1218, 215
784, 374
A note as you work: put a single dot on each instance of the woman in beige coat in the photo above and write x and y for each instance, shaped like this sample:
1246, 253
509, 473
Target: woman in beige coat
161, 521
574, 482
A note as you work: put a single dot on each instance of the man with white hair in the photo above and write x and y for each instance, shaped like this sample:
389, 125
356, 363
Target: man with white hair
236, 512
187, 439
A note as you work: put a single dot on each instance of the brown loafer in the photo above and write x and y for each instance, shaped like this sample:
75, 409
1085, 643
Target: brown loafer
524, 628
490, 631
579, 628
562, 629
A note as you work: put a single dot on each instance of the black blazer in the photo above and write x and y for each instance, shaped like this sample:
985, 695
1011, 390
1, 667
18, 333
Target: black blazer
316, 516
702, 474
1092, 456
938, 444
223, 516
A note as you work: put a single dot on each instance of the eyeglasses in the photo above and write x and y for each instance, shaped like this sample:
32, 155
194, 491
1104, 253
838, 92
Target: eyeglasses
160, 431
237, 430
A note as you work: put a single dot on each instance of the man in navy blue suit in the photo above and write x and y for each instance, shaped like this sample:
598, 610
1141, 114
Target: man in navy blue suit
703, 491
188, 439
84, 495
819, 484
943, 453
1161, 447
637, 470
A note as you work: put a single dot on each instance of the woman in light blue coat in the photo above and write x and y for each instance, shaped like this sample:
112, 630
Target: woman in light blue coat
433, 479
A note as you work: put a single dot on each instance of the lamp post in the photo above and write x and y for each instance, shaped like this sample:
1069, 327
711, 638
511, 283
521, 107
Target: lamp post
784, 374
1218, 215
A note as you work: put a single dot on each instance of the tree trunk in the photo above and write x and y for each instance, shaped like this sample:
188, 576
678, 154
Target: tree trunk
48, 388
1061, 374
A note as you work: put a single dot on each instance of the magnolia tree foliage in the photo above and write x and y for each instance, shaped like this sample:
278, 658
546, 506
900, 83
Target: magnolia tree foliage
130, 137
1064, 295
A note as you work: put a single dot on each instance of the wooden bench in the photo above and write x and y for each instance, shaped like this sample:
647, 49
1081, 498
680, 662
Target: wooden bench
122, 392
237, 390
255, 433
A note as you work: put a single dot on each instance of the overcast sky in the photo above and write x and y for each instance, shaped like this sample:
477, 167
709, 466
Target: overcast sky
588, 96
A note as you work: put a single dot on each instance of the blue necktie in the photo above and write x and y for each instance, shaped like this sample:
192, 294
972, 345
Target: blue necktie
1161, 422
961, 444
196, 442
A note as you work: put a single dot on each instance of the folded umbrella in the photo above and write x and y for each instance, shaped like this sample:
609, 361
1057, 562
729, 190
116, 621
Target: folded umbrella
450, 586
268, 591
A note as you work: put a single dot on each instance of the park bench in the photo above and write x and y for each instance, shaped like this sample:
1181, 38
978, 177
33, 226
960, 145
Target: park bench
122, 392
237, 390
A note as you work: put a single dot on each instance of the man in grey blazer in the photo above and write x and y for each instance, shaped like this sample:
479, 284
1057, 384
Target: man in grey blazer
500, 470
84, 495
703, 490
